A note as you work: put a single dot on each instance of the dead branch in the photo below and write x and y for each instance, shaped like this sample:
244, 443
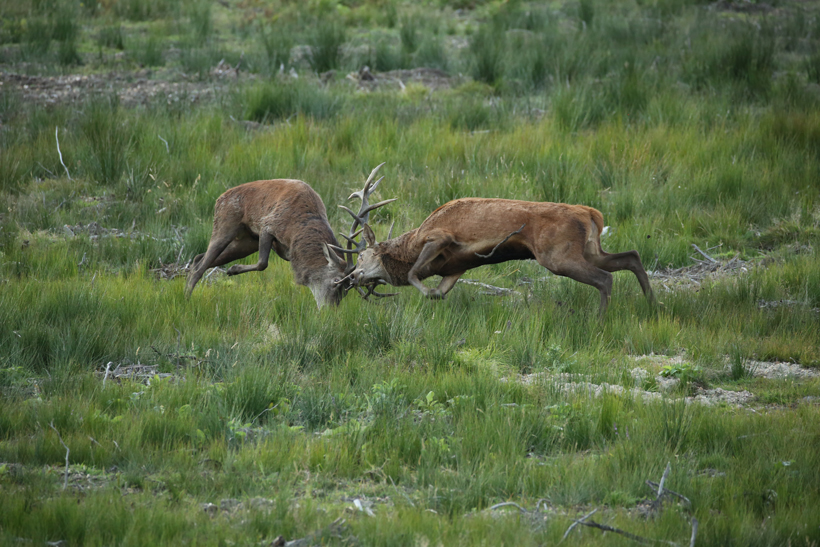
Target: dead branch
518, 231
706, 256
663, 478
658, 503
607, 528
694, 532
57, 137
507, 504
334, 529
576, 523
681, 497
496, 291
400, 491
67, 451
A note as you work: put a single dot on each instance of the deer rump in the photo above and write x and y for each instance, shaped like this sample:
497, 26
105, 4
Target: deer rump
471, 232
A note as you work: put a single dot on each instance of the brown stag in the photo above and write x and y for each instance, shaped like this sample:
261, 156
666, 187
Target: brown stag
285, 216
471, 232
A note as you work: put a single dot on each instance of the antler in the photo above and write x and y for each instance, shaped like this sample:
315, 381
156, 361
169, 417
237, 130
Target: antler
359, 220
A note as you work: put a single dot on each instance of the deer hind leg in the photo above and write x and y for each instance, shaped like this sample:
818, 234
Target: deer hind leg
428, 253
217, 245
575, 266
447, 283
615, 262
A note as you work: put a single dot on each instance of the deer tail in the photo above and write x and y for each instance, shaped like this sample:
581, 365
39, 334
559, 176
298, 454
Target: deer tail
597, 222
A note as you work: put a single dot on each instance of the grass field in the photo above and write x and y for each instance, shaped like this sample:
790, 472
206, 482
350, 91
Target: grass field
132, 416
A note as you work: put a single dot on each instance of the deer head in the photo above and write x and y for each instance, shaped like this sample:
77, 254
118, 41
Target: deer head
354, 246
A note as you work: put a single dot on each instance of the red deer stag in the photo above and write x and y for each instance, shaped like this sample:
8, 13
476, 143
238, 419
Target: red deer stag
288, 217
471, 232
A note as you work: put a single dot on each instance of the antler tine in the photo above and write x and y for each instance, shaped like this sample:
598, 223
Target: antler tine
373, 173
383, 294
390, 232
366, 191
357, 220
361, 218
371, 289
375, 206
341, 250
350, 238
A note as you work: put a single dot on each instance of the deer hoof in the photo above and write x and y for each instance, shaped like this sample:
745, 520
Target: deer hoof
233, 270
435, 294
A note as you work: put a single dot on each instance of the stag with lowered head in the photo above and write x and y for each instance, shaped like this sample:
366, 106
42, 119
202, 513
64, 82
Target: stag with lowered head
471, 232
288, 217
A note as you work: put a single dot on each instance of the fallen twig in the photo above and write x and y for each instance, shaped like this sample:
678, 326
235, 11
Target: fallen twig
334, 529
497, 291
706, 256
107, 369
576, 523
655, 486
607, 528
518, 231
507, 504
56, 136
694, 532
67, 451
663, 478
401, 492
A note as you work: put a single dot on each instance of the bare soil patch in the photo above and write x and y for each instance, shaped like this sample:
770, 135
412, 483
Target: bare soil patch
131, 88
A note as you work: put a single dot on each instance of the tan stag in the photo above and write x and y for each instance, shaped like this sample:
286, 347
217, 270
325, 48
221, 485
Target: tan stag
288, 217
471, 232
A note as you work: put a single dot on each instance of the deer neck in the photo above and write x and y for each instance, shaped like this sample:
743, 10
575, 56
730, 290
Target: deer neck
398, 258
307, 259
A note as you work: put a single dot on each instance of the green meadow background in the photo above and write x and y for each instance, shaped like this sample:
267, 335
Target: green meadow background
251, 415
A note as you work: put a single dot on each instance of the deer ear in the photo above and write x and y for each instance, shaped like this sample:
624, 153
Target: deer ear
369, 236
332, 258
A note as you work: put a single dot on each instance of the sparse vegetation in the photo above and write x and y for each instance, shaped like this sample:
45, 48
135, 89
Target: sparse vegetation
244, 414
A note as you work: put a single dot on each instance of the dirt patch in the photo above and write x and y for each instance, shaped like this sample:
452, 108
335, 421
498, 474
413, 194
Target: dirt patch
778, 370
773, 370
652, 364
131, 88
708, 397
693, 276
431, 78
742, 7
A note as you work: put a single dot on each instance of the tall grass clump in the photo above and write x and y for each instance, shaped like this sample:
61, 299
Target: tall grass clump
488, 48
277, 43
201, 21
109, 140
147, 10
732, 52
282, 99
326, 42
36, 38
383, 55
111, 36
148, 52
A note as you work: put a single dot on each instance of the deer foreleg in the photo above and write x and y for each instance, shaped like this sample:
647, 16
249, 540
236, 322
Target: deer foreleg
265, 245
428, 253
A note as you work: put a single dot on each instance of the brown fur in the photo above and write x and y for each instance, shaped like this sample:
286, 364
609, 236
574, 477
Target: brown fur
284, 216
565, 239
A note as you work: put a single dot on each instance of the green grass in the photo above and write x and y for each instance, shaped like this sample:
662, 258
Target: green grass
683, 123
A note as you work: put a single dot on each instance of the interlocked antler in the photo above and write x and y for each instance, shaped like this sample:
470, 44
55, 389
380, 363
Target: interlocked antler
359, 220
